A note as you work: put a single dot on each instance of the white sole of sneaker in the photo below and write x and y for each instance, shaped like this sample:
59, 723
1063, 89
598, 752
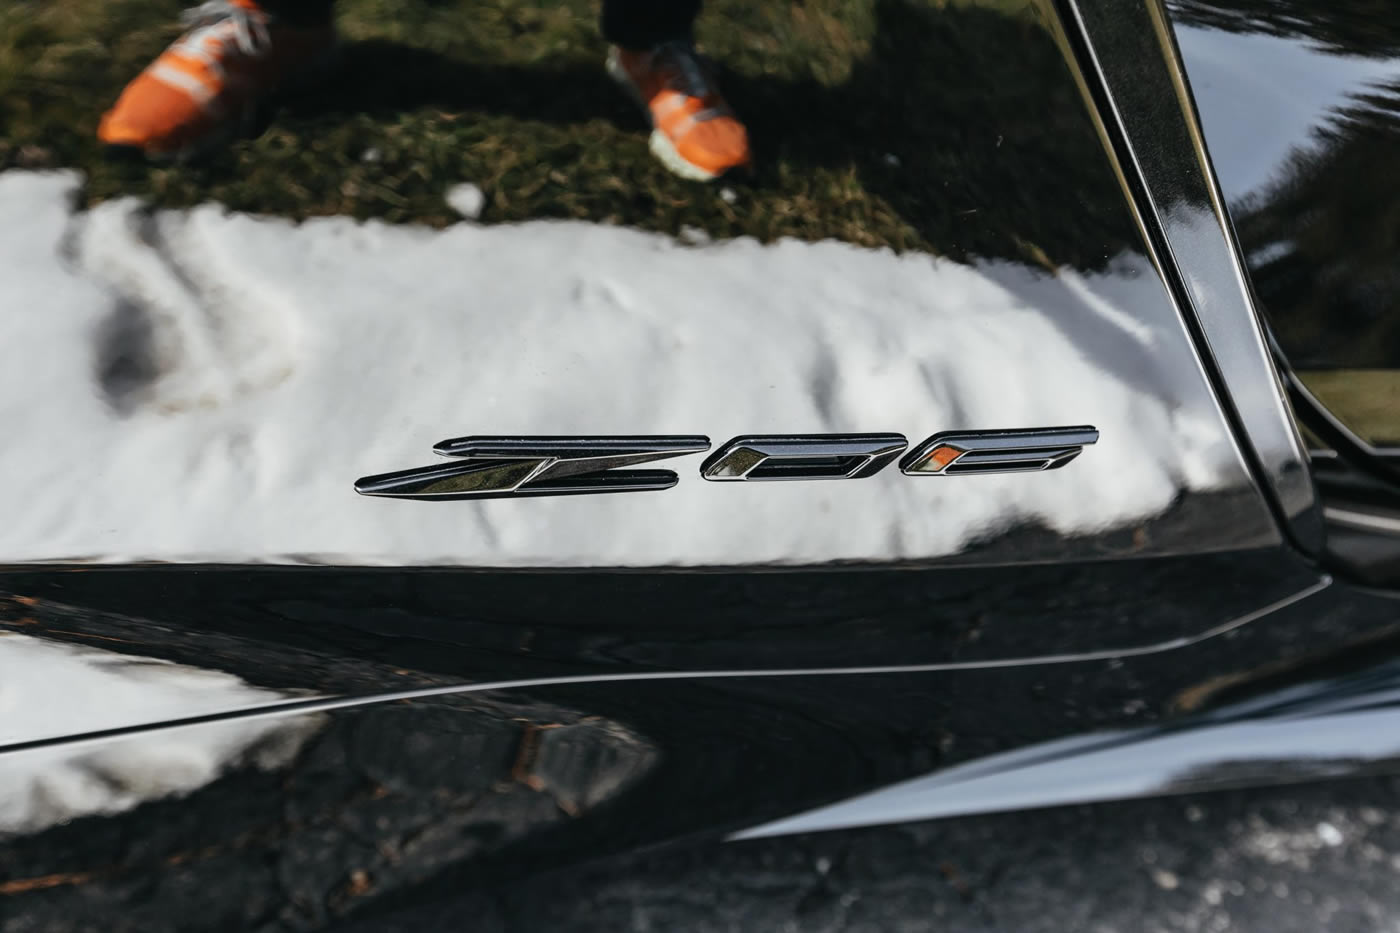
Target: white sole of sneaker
665, 152
660, 144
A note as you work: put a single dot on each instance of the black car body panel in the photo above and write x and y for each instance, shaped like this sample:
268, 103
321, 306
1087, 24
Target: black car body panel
334, 721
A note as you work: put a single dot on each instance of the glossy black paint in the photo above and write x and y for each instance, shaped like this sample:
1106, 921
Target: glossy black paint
972, 122
432, 796
1299, 106
1299, 113
1151, 124
360, 631
437, 730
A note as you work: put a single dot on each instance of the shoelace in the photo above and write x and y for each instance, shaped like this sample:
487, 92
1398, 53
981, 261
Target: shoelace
687, 74
250, 32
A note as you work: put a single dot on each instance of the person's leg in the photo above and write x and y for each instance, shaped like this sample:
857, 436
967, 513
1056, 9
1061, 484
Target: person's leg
640, 25
694, 133
210, 85
300, 12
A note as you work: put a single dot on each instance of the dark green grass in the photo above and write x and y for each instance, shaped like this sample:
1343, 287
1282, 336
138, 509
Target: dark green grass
919, 125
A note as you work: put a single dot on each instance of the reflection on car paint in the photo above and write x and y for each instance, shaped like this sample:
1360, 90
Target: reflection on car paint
964, 214
49, 690
236, 370
1301, 110
1321, 729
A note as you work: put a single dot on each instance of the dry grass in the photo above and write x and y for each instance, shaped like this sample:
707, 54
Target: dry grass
1366, 400
912, 125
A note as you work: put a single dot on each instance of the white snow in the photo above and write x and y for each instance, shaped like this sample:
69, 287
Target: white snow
283, 361
51, 690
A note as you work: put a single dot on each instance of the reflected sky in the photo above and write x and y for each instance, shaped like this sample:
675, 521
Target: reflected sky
1260, 96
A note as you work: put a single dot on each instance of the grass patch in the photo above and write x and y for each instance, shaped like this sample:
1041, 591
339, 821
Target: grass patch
913, 125
1365, 400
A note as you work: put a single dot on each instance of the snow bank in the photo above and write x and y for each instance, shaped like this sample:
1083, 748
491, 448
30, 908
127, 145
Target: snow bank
49, 690
206, 385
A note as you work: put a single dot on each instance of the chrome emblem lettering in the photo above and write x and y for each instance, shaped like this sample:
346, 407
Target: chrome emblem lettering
954, 453
496, 467
759, 458
514, 467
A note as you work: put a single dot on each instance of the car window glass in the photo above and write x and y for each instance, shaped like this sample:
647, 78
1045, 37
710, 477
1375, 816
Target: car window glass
1300, 102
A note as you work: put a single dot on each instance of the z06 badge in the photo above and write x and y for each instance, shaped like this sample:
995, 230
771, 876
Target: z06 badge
512, 467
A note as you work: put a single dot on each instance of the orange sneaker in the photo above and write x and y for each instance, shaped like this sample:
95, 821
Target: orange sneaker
211, 84
694, 133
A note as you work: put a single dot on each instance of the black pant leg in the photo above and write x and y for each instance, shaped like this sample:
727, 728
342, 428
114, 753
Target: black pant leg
300, 12
642, 24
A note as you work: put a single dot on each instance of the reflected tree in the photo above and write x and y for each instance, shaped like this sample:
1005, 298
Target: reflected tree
1322, 240
1347, 27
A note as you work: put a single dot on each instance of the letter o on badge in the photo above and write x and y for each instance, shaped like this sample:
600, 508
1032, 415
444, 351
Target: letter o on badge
780, 457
